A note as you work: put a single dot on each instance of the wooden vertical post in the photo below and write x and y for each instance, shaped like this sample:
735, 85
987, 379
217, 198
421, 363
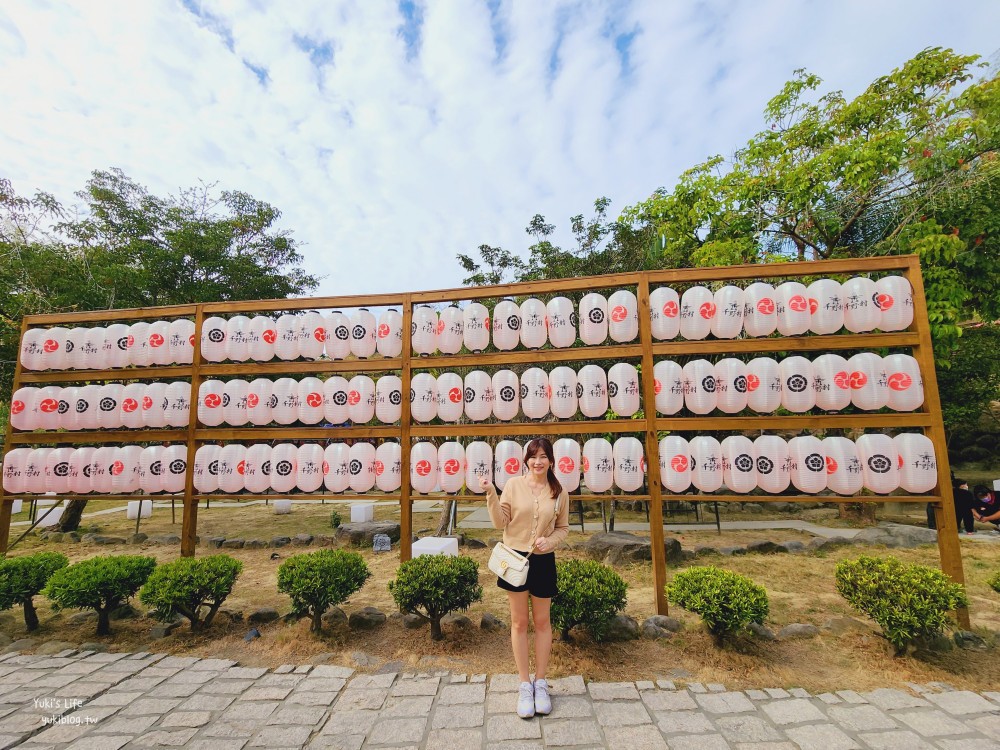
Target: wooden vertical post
652, 450
189, 522
949, 548
7, 503
405, 376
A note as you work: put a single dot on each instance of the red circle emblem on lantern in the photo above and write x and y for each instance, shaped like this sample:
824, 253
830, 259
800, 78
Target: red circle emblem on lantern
129, 405
512, 466
753, 383
899, 461
566, 464
831, 465
17, 407
423, 468
379, 468
117, 468
213, 400
319, 334
252, 400
585, 464
642, 464
383, 330
314, 399
147, 403
884, 301
657, 385
353, 398
798, 303
619, 313
131, 341
241, 468
49, 405
707, 310
452, 467
858, 380
455, 395
270, 336
155, 340
440, 327
326, 468
765, 306
670, 309
50, 345
813, 306
842, 380
900, 381
679, 463
486, 322
191, 339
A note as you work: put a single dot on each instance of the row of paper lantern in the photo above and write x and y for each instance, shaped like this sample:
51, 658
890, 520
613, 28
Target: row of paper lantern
875, 461
824, 307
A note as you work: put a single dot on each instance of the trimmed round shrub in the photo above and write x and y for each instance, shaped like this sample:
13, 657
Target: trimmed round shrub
101, 583
590, 594
994, 583
431, 586
726, 601
194, 588
335, 519
319, 580
907, 601
23, 577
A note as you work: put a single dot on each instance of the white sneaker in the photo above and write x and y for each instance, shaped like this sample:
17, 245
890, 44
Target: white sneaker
526, 700
543, 704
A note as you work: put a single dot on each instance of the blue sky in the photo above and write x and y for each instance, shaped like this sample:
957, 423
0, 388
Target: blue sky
394, 135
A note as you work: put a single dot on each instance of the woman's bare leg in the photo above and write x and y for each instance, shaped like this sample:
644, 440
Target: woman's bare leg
519, 631
543, 634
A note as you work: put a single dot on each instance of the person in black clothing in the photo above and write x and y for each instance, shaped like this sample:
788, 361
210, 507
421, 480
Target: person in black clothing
986, 507
964, 501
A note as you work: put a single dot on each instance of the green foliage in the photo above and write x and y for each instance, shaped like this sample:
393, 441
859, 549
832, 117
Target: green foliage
726, 601
335, 519
907, 601
186, 586
994, 583
100, 583
431, 586
23, 577
319, 580
590, 594
972, 382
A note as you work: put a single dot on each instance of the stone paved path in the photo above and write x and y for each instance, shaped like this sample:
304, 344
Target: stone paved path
98, 701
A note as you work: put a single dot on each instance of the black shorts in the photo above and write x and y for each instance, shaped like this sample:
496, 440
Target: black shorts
541, 576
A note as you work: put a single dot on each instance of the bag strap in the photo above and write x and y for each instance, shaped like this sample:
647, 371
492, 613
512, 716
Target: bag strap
555, 516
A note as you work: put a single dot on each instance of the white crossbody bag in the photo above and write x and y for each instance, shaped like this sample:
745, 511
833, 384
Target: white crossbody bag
509, 564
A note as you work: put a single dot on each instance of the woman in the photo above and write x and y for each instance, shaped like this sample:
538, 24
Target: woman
527, 513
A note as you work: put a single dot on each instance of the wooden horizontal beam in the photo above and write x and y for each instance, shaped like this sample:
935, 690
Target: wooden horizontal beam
99, 436
215, 434
122, 373
98, 316
262, 369
304, 303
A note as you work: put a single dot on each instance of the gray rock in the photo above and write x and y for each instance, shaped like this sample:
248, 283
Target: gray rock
841, 625
54, 647
322, 658
170, 539
325, 540
280, 541
55, 536
798, 630
94, 646
896, 535
255, 544
704, 551
80, 618
233, 615
687, 555
164, 629
622, 628
263, 614
822, 543
651, 632
939, 643
367, 618
125, 612
22, 644
391, 667
89, 538
667, 623
968, 639
98, 539
234, 544
363, 534
490, 621
413, 622
216, 541
762, 631
302, 540
334, 618
790, 546
619, 547
473, 543
732, 551
71, 536
361, 659
762, 547
138, 538
456, 621
782, 507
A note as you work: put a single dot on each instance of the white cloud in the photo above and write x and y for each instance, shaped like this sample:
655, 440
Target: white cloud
387, 159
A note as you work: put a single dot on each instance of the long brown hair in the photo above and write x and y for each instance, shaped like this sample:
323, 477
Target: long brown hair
543, 444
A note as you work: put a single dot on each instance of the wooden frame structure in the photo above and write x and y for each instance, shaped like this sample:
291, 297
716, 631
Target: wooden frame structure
644, 351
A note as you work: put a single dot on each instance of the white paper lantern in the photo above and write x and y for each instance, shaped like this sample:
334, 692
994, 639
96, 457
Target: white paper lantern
131, 405
57, 470
773, 463
450, 396
139, 353
700, 393
311, 400
506, 325
284, 401
151, 469
664, 313
533, 323
566, 452
423, 467
22, 408
76, 349
798, 392
263, 335
259, 401
210, 411
88, 407
478, 464
478, 395
235, 402
739, 468
675, 463
906, 385
67, 399
792, 299
14, 461
730, 302
389, 333
561, 322
46, 410
668, 384
93, 348
826, 306
312, 334
623, 316
257, 468
861, 312
363, 337
731, 385
879, 462
763, 385
918, 469
760, 314
506, 395
593, 319
361, 399
213, 339
101, 468
109, 399
81, 464
31, 349
178, 397
808, 463
138, 508
476, 327
843, 466
34, 470
206, 468
832, 382
388, 399
309, 466
534, 393
869, 383
507, 462
894, 298
598, 465
125, 470
181, 342
337, 471
286, 345
623, 389
451, 330
706, 463
337, 328
238, 338
563, 398
174, 463
284, 467
451, 467
115, 346
388, 466
423, 397
159, 343
335, 400
54, 353
592, 384
423, 330
630, 466
697, 313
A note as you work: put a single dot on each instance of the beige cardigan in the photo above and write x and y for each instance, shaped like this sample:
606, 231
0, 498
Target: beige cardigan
523, 518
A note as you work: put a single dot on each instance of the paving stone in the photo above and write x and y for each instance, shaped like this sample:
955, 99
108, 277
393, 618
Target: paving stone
962, 703
183, 662
311, 698
829, 698
988, 725
622, 714
331, 670
101, 742
230, 729
724, 703
227, 687
362, 699
349, 722
284, 669
897, 740
458, 678
821, 737
512, 727
669, 700
454, 739
60, 733
243, 673
160, 738
212, 665
665, 685
641, 685
757, 695
747, 729
567, 686
455, 694
716, 687
279, 680
993, 696
861, 718
252, 710
504, 683
570, 732
322, 684
338, 742
506, 703
792, 711
396, 731
157, 706
850, 696
568, 707
419, 705
970, 744
697, 687
613, 691
458, 717
699, 742
514, 746
216, 743
121, 724
266, 693
203, 702
800, 693
890, 699
422, 686
275, 737
635, 738
369, 680
683, 722
301, 715
777, 693
186, 719
478, 679
928, 723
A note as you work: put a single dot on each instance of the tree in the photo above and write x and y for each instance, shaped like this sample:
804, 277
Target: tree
21, 578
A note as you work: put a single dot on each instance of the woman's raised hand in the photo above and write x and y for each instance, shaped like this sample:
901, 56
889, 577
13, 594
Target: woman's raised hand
484, 484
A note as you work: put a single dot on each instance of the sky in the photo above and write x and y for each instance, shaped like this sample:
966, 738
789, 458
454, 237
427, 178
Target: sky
395, 135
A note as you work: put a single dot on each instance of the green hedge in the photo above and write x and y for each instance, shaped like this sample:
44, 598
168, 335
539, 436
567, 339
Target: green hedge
431, 586
192, 587
317, 581
907, 601
726, 601
23, 577
590, 594
994, 583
